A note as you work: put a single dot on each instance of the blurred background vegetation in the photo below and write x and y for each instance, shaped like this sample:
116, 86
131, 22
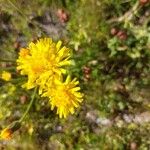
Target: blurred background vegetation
110, 40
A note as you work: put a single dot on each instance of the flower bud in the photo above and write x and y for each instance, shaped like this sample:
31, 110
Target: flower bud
144, 2
7, 132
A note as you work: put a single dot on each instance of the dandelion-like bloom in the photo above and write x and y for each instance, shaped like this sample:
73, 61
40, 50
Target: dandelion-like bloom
6, 134
42, 62
6, 76
65, 96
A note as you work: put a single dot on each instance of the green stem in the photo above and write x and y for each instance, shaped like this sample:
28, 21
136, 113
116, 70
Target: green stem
15, 7
7, 68
29, 106
128, 15
19, 79
7, 60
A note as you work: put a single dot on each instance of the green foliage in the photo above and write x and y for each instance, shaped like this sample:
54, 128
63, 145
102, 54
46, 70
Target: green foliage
111, 46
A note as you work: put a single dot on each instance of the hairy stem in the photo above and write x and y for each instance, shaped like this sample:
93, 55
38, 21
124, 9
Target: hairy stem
29, 106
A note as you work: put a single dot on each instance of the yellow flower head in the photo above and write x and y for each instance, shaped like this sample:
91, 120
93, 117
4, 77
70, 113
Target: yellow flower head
43, 61
65, 96
6, 76
6, 134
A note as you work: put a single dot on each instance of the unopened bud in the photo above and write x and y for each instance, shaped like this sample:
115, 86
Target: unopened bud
7, 132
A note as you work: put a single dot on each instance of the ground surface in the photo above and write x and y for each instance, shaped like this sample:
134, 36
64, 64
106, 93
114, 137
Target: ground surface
111, 59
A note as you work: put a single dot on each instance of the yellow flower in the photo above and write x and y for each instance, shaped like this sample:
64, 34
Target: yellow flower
65, 96
6, 134
42, 62
6, 76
